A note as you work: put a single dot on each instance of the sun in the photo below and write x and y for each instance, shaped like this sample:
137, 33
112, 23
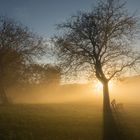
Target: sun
98, 86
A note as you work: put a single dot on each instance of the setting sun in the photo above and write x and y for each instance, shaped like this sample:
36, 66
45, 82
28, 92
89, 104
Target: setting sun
99, 87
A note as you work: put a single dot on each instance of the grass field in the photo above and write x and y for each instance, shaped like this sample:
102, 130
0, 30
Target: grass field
71, 121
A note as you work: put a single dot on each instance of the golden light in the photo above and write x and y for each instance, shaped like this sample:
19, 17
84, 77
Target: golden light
98, 87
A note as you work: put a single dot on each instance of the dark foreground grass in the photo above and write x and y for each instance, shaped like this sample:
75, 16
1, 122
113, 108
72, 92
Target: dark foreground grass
50, 122
72, 121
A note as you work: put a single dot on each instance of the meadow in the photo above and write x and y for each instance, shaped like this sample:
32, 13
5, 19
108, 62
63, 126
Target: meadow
60, 121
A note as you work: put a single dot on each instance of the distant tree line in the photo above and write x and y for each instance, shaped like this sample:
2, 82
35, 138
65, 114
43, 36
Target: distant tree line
47, 74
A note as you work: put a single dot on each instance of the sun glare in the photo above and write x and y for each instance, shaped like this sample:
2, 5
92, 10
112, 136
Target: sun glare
99, 87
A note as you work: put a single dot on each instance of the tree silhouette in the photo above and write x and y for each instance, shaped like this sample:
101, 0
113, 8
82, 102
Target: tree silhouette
18, 47
101, 42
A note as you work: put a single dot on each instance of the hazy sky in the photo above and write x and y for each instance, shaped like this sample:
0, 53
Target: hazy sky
42, 15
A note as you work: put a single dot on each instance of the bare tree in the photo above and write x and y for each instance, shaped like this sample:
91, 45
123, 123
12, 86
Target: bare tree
18, 47
101, 42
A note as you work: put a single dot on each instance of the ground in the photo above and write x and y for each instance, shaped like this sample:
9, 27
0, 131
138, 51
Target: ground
63, 121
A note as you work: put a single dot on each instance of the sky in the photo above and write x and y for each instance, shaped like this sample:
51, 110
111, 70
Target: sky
43, 15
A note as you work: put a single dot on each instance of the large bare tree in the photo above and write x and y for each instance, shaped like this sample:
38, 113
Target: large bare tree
101, 42
18, 47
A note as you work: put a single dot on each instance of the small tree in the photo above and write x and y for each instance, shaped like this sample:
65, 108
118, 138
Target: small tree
100, 41
18, 47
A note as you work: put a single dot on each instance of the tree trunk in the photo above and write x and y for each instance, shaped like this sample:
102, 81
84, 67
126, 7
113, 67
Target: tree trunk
3, 96
106, 99
110, 130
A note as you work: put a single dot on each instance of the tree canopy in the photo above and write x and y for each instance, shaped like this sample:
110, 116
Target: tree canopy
100, 41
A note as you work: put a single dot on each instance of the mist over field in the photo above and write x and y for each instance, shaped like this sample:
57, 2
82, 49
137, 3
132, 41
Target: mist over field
68, 112
124, 91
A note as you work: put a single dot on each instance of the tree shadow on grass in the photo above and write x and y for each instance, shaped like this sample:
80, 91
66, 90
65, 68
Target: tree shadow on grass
115, 128
110, 129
